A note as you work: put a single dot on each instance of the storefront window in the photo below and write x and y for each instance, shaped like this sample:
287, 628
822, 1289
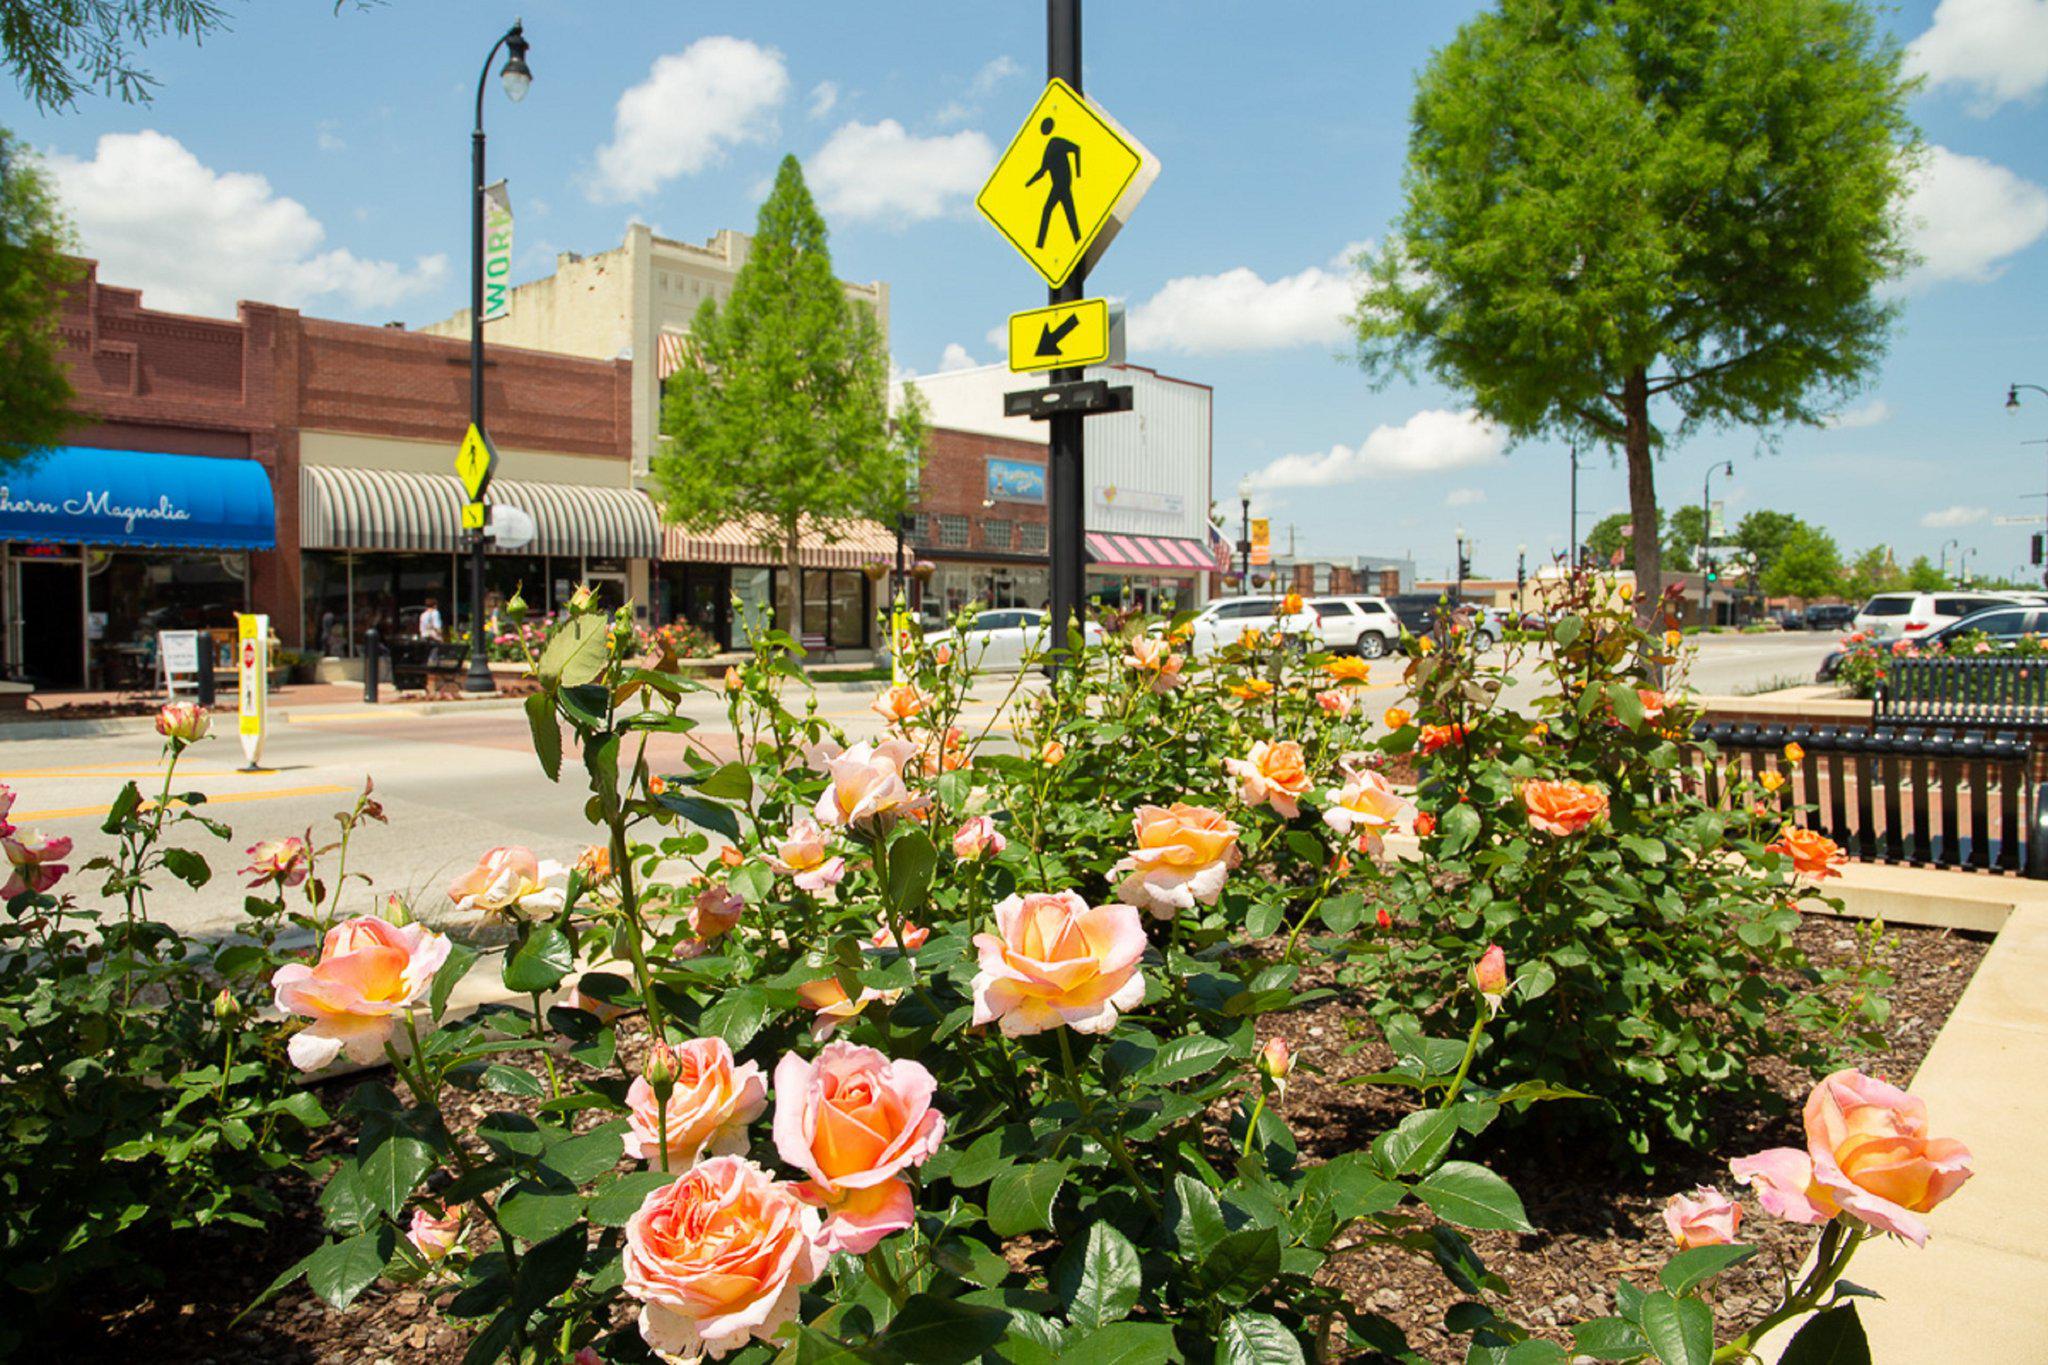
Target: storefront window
131, 595
699, 594
323, 589
849, 628
754, 590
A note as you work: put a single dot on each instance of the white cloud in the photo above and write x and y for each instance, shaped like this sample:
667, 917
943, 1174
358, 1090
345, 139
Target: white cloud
1965, 216
878, 170
1465, 497
1874, 413
1239, 310
195, 240
824, 95
992, 74
955, 357
1950, 517
695, 104
328, 135
1432, 441
1999, 48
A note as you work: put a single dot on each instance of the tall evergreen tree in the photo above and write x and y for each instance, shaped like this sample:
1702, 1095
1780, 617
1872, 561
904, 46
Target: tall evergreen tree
35, 393
1629, 219
780, 413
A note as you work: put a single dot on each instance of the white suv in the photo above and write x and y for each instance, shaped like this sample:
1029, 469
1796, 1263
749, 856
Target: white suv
1911, 615
1365, 626
1222, 621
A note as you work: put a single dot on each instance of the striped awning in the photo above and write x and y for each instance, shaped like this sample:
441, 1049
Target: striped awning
669, 351
822, 545
390, 509
1148, 554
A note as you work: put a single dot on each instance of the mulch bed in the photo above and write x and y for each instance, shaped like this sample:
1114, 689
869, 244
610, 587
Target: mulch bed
1596, 1224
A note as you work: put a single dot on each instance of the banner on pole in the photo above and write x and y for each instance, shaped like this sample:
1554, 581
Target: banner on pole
497, 251
1262, 541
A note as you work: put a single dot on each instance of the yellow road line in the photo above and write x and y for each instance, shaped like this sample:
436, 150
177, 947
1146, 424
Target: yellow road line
114, 770
277, 794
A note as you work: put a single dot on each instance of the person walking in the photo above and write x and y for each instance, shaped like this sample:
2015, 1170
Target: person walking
431, 626
1053, 167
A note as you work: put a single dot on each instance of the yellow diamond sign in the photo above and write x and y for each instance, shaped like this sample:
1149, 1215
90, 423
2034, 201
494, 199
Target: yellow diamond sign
475, 463
1066, 184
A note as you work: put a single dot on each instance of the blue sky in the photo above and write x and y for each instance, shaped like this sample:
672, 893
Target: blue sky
320, 160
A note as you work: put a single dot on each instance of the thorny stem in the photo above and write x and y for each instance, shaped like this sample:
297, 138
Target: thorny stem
1838, 1242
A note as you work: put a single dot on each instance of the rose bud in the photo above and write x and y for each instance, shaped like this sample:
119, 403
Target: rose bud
1706, 1218
1490, 976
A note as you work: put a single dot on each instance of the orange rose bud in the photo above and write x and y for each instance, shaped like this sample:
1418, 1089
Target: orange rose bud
1425, 825
1052, 753
732, 679
1397, 718
1490, 976
1793, 753
1276, 1062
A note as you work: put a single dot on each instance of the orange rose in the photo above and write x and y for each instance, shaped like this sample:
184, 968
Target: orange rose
1653, 703
1436, 737
1251, 689
1563, 808
1397, 717
1184, 856
899, 703
1290, 605
1271, 774
1813, 855
1348, 669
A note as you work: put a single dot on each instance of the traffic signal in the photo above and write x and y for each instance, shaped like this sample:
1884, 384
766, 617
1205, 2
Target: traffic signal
1713, 573
2037, 547
1464, 566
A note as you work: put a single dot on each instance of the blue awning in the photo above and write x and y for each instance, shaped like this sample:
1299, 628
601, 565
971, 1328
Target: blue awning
87, 496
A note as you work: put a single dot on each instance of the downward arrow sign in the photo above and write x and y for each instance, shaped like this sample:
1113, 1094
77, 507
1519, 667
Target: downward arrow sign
1049, 338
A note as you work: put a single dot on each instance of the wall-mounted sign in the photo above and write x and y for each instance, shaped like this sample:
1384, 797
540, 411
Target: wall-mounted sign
1138, 500
1015, 481
497, 251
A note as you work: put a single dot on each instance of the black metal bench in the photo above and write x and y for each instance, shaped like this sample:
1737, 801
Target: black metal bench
1966, 692
415, 663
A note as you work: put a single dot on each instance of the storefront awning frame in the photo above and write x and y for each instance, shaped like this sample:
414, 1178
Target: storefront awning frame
1114, 550
847, 544
391, 509
138, 499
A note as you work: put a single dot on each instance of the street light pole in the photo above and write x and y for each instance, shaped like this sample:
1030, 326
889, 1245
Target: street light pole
1521, 576
516, 79
1707, 535
1957, 544
2012, 405
1244, 539
1458, 595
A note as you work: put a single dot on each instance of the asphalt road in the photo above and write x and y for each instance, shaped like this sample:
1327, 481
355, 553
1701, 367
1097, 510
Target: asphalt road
456, 784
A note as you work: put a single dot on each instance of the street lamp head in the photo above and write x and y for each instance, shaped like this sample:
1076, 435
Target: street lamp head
1244, 489
1521, 549
515, 75
2012, 398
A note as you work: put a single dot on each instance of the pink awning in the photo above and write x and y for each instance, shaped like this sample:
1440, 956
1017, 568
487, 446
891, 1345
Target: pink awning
1148, 554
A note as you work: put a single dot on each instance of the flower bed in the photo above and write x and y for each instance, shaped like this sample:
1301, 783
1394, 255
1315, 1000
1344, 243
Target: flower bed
1865, 658
950, 1049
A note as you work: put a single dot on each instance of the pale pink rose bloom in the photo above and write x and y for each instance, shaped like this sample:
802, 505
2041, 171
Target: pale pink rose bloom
1335, 702
1183, 858
826, 998
433, 1238
1055, 960
1368, 805
709, 1109
914, 935
32, 861
867, 790
716, 912
1156, 656
510, 880
1706, 1218
976, 837
286, 861
1271, 774
818, 756
184, 721
807, 857
6, 805
719, 1258
370, 974
1868, 1157
852, 1120
587, 1356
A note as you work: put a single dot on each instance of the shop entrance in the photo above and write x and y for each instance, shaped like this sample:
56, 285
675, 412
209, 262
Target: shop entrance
49, 597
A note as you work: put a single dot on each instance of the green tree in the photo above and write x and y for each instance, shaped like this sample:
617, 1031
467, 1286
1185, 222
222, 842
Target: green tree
1873, 571
1683, 536
58, 50
1763, 534
780, 413
1808, 565
1632, 219
1922, 576
1610, 537
35, 393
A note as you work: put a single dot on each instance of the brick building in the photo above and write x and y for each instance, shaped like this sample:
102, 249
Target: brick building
981, 521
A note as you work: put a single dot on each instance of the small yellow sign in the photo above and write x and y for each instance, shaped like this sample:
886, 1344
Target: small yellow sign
475, 463
1262, 541
473, 516
1062, 336
1066, 183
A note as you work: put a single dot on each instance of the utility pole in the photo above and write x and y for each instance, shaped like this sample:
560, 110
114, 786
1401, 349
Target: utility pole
1575, 505
1067, 493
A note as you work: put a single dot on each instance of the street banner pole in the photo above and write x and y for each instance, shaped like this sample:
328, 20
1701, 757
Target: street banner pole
1067, 496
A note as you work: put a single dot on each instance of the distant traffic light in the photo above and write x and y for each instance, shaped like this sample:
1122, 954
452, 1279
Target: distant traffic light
2037, 547
1713, 573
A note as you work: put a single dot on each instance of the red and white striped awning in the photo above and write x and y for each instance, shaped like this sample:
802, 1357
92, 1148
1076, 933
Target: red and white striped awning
1148, 554
821, 545
669, 349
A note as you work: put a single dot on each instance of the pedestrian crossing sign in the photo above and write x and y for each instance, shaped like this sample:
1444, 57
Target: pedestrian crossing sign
474, 516
1066, 183
475, 462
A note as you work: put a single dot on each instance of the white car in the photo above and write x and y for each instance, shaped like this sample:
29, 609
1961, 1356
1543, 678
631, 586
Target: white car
1222, 621
1345, 624
1911, 615
1001, 639
1364, 626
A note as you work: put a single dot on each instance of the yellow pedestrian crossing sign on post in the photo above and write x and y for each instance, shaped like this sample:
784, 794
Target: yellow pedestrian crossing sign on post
1066, 184
474, 515
474, 465
1064, 335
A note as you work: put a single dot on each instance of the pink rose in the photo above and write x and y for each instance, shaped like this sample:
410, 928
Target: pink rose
1368, 804
806, 857
914, 935
433, 1238
370, 974
1054, 960
867, 790
712, 1102
1273, 775
1276, 1063
719, 1258
1868, 1157
1335, 702
852, 1120
285, 861
1707, 1218
182, 722
1490, 976
977, 837
716, 911
509, 880
32, 860
830, 1008
1184, 856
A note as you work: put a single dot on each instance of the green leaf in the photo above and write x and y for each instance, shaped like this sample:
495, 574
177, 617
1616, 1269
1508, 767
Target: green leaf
701, 813
125, 805
1098, 1280
534, 1214
576, 654
616, 1201
1609, 1339
1831, 1338
732, 782
1458, 828
547, 733
187, 866
929, 1330
510, 1080
1183, 1059
1242, 1263
736, 1016
580, 1160
341, 1270
1680, 1331
1473, 1197
1124, 1343
1197, 1217
1257, 1339
393, 1169
1417, 1142
1534, 1351
1698, 1264
460, 960
1628, 707
911, 861
541, 961
1020, 1198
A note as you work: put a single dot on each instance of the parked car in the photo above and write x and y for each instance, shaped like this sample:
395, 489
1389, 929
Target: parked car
2006, 622
1003, 638
1789, 619
1911, 615
1830, 616
1222, 621
1418, 614
1365, 626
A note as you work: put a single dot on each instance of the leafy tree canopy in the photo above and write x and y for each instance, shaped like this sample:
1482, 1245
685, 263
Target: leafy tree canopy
1808, 565
35, 393
1633, 218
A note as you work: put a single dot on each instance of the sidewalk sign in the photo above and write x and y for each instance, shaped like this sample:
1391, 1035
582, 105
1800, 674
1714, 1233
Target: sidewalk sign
252, 666
177, 660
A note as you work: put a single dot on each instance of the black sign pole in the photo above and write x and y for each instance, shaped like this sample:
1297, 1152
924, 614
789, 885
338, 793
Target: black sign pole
1066, 491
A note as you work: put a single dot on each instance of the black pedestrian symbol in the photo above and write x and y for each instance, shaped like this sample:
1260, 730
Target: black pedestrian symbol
1060, 192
